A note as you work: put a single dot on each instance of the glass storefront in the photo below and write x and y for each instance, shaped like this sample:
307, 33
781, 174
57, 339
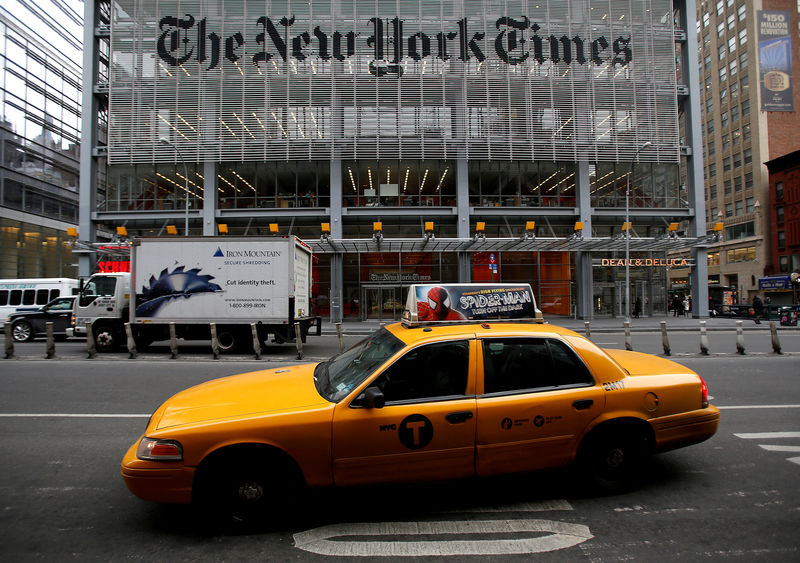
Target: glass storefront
648, 289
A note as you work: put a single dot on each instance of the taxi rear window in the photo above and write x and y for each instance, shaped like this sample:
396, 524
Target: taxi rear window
516, 364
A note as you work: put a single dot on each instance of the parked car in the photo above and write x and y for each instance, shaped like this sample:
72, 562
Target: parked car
420, 401
27, 325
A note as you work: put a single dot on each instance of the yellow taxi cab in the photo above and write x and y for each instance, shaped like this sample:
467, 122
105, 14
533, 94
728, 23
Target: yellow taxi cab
471, 383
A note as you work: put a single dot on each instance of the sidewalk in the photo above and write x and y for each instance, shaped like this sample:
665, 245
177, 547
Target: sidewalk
643, 324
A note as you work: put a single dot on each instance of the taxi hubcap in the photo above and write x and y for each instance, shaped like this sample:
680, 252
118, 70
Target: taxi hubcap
615, 457
250, 491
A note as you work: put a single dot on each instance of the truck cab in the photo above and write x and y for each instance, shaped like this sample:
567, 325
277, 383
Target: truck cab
103, 303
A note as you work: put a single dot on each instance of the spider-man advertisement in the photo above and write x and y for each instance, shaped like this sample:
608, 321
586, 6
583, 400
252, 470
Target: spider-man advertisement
474, 302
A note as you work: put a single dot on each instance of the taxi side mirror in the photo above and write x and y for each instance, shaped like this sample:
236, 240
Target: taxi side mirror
372, 398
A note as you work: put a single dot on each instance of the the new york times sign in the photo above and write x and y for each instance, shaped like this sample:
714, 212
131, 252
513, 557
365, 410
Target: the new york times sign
390, 42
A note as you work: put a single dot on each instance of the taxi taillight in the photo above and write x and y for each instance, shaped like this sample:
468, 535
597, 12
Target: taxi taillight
704, 390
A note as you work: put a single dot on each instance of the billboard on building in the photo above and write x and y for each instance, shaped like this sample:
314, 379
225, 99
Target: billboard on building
775, 60
378, 79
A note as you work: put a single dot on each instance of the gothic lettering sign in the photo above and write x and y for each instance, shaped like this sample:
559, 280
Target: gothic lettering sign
515, 40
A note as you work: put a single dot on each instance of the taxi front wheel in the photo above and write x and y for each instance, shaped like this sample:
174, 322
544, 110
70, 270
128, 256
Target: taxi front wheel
242, 490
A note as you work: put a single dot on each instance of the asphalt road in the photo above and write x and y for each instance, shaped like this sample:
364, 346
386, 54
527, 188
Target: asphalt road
66, 425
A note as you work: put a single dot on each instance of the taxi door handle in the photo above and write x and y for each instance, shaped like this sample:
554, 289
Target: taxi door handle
582, 404
458, 417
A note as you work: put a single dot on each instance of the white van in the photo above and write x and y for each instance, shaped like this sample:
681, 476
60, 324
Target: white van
32, 293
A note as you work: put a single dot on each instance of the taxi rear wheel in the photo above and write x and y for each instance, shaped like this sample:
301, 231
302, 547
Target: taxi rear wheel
612, 459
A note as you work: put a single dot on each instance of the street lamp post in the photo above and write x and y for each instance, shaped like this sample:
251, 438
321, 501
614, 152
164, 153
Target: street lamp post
628, 233
185, 180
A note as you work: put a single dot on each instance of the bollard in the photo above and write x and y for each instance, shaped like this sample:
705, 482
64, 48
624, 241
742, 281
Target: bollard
665, 339
90, 347
739, 338
131, 342
256, 341
298, 340
588, 329
703, 339
339, 333
9, 342
776, 344
50, 347
628, 343
173, 342
214, 341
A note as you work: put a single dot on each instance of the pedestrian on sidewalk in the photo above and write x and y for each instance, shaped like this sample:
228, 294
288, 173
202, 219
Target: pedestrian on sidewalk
676, 305
758, 309
637, 308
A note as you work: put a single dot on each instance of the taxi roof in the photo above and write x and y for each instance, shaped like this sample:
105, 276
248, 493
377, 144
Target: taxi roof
413, 334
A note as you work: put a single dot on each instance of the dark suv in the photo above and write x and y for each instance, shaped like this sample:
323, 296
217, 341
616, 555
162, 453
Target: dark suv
27, 325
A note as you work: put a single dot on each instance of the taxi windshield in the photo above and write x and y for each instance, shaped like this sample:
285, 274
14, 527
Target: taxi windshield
339, 375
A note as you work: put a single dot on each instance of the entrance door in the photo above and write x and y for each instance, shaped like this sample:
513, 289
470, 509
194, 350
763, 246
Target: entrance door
383, 302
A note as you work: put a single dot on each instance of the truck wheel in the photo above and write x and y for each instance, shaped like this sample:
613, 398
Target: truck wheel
105, 338
22, 331
226, 340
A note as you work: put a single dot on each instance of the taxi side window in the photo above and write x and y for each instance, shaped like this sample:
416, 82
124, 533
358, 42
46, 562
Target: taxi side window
432, 371
516, 364
568, 366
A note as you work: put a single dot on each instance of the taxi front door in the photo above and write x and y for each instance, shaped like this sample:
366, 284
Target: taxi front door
426, 430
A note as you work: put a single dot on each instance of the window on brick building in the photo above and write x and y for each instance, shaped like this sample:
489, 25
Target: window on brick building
778, 190
779, 213
748, 156
737, 159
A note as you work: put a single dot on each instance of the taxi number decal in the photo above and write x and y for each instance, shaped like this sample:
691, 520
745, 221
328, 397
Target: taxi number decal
614, 385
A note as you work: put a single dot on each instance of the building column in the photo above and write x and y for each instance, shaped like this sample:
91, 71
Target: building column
694, 160
337, 260
87, 230
463, 228
583, 260
209, 213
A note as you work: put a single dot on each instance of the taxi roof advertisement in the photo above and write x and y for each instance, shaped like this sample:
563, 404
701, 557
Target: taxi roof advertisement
463, 302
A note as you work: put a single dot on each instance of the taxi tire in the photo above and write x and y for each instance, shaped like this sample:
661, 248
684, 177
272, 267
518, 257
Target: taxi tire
22, 331
611, 460
245, 490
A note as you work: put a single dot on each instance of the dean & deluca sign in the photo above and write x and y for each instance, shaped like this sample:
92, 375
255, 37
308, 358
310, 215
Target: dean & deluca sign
645, 262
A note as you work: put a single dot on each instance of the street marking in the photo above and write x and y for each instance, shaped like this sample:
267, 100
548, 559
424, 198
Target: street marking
772, 447
767, 435
541, 506
780, 448
70, 415
761, 407
318, 540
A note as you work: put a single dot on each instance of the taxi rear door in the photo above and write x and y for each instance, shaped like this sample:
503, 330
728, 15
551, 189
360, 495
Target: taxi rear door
537, 398
425, 431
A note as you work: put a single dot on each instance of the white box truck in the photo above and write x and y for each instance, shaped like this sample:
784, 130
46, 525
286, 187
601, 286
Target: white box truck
193, 282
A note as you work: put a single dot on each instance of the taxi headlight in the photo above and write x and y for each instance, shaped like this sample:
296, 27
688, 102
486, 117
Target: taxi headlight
151, 449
